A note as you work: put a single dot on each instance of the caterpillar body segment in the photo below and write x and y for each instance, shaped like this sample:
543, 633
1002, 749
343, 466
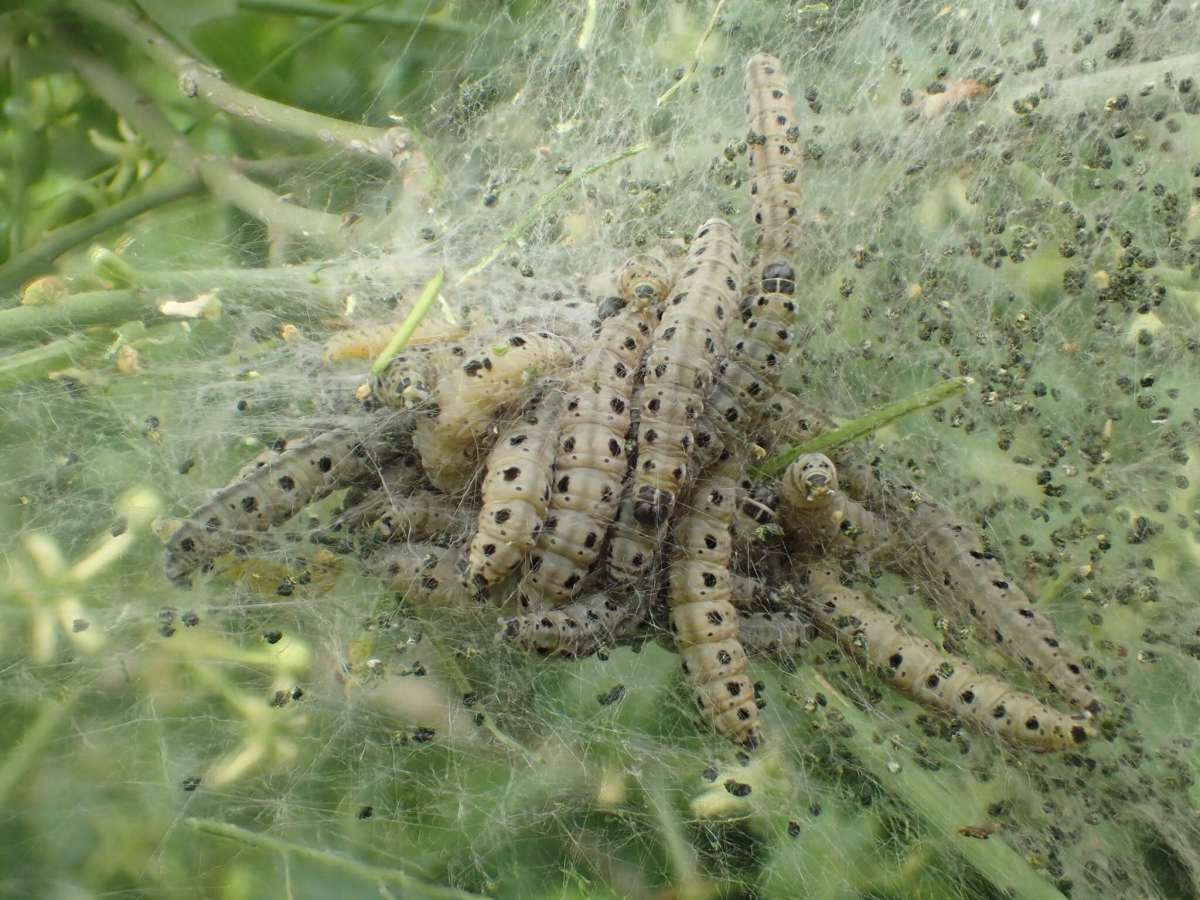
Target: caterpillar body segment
423, 574
578, 629
918, 668
269, 494
484, 380
773, 138
703, 618
779, 633
421, 516
687, 349
515, 492
591, 459
820, 518
965, 574
409, 378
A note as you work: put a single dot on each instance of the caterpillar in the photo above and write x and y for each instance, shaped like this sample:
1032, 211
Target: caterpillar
576, 630
368, 500
468, 396
703, 618
424, 574
515, 491
819, 517
772, 136
917, 667
591, 461
421, 516
952, 553
782, 633
269, 493
684, 354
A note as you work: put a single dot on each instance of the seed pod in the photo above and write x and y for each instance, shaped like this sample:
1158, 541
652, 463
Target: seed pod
933, 678
680, 367
424, 574
703, 618
591, 460
469, 396
516, 493
269, 494
967, 575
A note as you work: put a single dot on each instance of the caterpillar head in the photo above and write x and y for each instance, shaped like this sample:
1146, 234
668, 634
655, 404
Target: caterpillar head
609, 307
811, 478
644, 280
778, 278
652, 506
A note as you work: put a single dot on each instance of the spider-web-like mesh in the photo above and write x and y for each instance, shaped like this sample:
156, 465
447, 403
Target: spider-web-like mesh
1002, 191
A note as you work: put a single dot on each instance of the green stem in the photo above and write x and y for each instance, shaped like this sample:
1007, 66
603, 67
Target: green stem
860, 428
542, 202
219, 175
30, 365
712, 22
365, 871
14, 768
400, 339
39, 259
197, 80
333, 10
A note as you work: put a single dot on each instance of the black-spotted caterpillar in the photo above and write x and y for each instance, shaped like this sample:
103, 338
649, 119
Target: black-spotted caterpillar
515, 491
680, 367
591, 461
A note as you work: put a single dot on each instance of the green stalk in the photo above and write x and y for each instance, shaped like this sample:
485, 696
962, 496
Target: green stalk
712, 22
400, 339
15, 767
332, 10
860, 428
542, 202
411, 884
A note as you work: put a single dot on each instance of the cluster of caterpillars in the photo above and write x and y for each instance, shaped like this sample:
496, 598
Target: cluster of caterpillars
596, 488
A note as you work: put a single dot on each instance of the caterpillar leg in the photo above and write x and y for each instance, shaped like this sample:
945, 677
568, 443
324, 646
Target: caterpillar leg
918, 668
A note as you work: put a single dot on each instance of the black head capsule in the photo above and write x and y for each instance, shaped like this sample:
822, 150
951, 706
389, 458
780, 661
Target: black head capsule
778, 278
652, 507
609, 307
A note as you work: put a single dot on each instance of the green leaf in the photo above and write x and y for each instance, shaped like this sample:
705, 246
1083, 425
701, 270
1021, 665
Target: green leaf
179, 17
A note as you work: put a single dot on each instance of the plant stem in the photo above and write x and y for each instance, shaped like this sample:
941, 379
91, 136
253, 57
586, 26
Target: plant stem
712, 22
400, 339
13, 770
542, 202
351, 14
219, 175
29, 365
196, 80
860, 428
39, 259
332, 10
589, 25
365, 871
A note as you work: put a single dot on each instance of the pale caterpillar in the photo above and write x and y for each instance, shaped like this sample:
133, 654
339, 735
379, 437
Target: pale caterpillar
368, 500
591, 460
680, 369
918, 668
960, 568
421, 516
703, 618
468, 396
515, 492
776, 633
424, 574
821, 518
773, 138
271, 492
578, 629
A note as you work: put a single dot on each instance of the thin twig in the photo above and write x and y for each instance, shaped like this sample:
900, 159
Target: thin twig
219, 175
542, 202
589, 25
333, 10
400, 339
27, 752
712, 23
197, 80
378, 874
860, 428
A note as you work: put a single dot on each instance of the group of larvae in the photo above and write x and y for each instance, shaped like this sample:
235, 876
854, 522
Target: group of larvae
597, 488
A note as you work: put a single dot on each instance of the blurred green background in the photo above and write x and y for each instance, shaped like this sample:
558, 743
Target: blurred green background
1007, 191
